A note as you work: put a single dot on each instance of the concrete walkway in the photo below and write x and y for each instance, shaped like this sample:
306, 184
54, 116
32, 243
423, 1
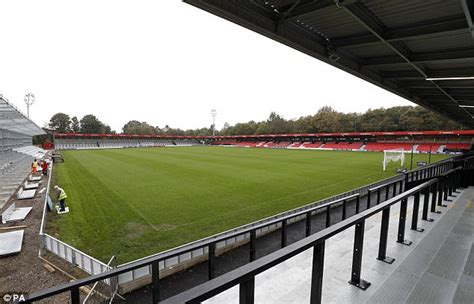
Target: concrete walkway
436, 268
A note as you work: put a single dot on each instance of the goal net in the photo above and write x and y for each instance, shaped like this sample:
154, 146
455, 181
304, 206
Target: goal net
393, 156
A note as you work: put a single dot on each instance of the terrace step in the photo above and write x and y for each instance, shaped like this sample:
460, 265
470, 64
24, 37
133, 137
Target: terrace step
440, 268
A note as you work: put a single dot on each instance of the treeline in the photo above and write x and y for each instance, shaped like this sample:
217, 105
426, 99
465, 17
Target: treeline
406, 118
89, 124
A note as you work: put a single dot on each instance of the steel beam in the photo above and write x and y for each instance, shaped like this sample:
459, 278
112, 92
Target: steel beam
462, 93
449, 25
447, 55
410, 74
360, 13
468, 8
446, 84
303, 10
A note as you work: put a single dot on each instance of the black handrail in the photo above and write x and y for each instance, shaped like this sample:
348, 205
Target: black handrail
244, 273
153, 261
247, 273
245, 230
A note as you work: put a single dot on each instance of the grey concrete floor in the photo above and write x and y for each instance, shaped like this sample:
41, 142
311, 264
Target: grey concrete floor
289, 282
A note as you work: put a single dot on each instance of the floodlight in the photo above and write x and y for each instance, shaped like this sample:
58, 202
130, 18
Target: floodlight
450, 78
213, 114
29, 100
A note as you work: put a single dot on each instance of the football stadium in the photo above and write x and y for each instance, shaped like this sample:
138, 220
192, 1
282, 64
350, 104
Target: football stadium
160, 215
336, 207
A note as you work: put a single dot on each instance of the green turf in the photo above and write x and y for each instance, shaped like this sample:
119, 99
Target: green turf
135, 202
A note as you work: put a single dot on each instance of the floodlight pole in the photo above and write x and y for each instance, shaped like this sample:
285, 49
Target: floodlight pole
29, 100
213, 114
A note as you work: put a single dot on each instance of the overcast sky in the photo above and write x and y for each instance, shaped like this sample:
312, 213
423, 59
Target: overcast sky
164, 62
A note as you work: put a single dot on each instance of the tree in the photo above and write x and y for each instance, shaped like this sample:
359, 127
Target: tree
136, 127
108, 130
92, 125
261, 128
327, 120
303, 125
60, 122
75, 125
276, 124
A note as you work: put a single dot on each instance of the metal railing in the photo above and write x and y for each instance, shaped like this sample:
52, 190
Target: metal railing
199, 249
245, 276
207, 249
441, 187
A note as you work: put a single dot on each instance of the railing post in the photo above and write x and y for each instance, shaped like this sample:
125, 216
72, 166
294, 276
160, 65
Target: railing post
401, 224
211, 260
386, 192
451, 183
75, 298
328, 216
247, 292
434, 198
382, 256
283, 233
394, 190
155, 281
368, 199
317, 273
378, 196
357, 204
457, 181
252, 245
426, 202
416, 210
344, 209
308, 223
446, 189
357, 257
441, 193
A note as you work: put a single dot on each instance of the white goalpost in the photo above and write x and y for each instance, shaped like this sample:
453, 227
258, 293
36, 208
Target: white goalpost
393, 156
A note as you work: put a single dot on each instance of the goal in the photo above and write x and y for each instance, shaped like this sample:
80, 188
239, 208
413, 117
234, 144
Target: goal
393, 156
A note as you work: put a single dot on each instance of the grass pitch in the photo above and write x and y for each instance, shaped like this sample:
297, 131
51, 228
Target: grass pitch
136, 202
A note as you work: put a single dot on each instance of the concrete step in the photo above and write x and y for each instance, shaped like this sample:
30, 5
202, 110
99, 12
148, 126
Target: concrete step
432, 272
